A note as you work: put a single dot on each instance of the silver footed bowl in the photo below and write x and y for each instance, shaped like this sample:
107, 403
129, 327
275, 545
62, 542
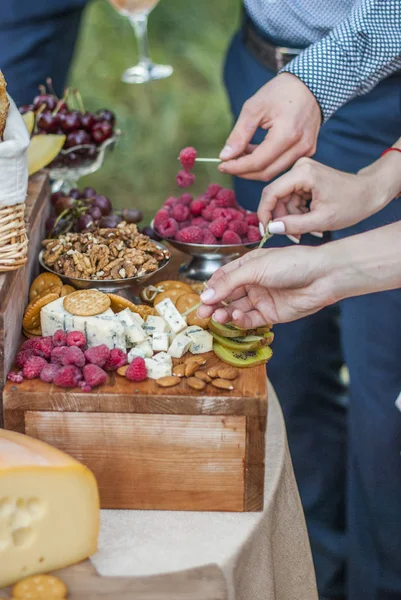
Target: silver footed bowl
109, 285
207, 259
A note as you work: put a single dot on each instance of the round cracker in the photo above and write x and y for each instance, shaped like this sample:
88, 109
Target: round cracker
173, 294
67, 289
198, 288
174, 284
40, 587
186, 302
119, 303
32, 333
31, 318
52, 289
43, 282
86, 303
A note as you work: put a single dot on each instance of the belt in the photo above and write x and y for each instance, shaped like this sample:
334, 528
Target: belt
271, 56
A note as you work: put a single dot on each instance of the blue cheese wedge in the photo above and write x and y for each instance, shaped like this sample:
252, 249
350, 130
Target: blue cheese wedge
180, 345
134, 333
160, 342
201, 341
163, 357
170, 314
144, 349
155, 324
157, 369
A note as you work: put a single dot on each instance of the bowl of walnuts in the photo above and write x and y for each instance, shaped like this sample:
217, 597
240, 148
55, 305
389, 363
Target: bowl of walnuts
106, 259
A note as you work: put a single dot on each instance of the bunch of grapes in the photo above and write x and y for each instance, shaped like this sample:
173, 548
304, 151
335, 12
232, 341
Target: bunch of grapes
84, 211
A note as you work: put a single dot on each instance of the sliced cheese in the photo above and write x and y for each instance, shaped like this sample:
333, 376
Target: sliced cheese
49, 508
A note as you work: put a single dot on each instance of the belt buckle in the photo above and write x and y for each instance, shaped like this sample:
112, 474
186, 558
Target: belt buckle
280, 54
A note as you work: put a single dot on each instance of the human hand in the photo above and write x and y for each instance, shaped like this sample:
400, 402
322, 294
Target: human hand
288, 109
269, 286
338, 199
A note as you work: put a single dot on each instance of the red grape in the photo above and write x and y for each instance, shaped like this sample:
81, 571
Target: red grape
110, 221
104, 204
132, 215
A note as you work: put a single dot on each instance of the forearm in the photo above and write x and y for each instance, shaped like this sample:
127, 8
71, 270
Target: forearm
384, 176
363, 264
355, 56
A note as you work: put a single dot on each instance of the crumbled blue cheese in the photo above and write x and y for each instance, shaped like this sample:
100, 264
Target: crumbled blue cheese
132, 327
163, 357
170, 314
180, 345
157, 369
155, 324
201, 341
160, 342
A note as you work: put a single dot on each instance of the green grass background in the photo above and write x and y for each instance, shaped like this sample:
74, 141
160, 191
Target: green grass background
160, 118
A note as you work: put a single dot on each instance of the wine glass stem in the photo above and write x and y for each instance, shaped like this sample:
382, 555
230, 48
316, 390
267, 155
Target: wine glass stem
140, 25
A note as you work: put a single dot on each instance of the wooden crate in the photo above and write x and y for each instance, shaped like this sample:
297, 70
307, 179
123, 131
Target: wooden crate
14, 285
156, 448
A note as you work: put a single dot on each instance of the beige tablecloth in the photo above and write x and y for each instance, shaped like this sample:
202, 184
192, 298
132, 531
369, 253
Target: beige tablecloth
263, 556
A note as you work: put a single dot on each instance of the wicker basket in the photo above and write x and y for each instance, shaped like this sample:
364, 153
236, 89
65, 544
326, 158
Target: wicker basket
13, 237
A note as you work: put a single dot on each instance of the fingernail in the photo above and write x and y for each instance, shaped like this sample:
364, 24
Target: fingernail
262, 229
316, 234
207, 295
293, 239
226, 152
276, 227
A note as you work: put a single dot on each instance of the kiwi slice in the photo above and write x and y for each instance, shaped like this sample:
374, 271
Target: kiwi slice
268, 337
248, 342
241, 358
228, 330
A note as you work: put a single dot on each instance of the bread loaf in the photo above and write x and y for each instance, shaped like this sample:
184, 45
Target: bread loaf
4, 105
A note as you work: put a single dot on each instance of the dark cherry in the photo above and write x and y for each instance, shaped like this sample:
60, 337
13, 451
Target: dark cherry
64, 204
62, 107
25, 108
70, 121
85, 222
105, 115
132, 215
87, 121
47, 122
96, 213
101, 132
149, 231
75, 193
104, 204
47, 99
89, 192
110, 221
56, 196
77, 138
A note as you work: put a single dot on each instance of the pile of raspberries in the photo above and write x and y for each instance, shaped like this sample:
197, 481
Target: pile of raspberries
212, 218
65, 360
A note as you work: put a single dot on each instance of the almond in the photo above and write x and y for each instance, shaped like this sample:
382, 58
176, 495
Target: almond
195, 383
227, 373
122, 370
222, 384
179, 370
168, 381
213, 371
203, 376
197, 359
191, 368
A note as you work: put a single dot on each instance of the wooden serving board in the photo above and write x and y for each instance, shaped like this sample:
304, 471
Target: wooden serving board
14, 285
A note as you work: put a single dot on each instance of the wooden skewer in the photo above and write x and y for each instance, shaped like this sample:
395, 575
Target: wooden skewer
211, 160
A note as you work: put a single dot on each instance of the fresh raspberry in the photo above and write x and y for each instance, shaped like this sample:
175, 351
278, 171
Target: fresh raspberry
191, 235
94, 375
43, 347
222, 212
170, 202
240, 227
33, 367
226, 198
97, 355
180, 213
84, 386
197, 206
252, 219
230, 237
200, 222
245, 240
208, 238
137, 370
185, 199
28, 344
213, 189
207, 213
68, 377
188, 157
73, 356
57, 354
253, 234
185, 179
169, 228
218, 227
15, 377
161, 217
185, 224
59, 338
235, 213
22, 357
117, 359
76, 338
49, 372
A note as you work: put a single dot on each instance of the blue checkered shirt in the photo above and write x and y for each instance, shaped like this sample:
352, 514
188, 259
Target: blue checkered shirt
352, 45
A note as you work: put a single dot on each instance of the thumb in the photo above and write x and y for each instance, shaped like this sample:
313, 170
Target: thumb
243, 132
302, 223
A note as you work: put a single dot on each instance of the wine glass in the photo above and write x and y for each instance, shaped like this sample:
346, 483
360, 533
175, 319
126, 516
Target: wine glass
137, 12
